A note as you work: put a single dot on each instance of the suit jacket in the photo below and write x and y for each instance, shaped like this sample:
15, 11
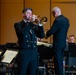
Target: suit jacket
59, 30
27, 34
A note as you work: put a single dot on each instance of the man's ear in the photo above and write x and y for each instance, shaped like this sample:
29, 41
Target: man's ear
23, 14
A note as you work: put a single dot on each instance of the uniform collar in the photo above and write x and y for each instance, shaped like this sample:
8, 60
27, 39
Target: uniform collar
25, 21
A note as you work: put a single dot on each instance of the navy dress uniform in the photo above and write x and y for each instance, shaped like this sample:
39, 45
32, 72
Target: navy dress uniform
27, 34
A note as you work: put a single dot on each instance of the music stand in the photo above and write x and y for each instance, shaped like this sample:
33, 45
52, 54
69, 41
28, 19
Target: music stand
11, 46
8, 57
45, 52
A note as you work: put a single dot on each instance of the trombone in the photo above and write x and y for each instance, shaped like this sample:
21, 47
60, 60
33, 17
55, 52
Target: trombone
36, 20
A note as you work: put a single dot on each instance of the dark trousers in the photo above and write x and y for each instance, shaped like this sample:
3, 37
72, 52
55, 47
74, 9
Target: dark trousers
28, 62
58, 61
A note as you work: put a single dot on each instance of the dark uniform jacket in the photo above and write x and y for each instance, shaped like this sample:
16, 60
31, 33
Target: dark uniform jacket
27, 34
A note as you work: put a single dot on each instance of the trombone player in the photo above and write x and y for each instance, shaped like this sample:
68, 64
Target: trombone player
27, 32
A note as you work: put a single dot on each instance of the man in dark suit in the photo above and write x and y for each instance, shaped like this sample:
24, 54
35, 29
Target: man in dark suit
59, 30
27, 34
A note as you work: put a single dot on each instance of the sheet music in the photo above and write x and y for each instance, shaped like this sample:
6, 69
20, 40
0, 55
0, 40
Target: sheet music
0, 52
8, 56
45, 44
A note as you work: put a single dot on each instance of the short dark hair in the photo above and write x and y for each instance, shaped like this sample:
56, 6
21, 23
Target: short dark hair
71, 36
25, 9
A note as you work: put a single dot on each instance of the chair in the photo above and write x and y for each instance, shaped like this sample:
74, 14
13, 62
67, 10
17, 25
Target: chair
71, 59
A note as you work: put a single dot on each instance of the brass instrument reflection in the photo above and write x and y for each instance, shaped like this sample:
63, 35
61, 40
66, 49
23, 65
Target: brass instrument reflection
37, 19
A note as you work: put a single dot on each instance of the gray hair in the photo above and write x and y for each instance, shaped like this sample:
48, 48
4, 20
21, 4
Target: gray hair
57, 9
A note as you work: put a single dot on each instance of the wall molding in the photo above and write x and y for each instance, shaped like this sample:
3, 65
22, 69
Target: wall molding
63, 1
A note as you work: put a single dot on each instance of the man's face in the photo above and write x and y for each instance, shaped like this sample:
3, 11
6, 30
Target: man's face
72, 39
27, 15
55, 14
